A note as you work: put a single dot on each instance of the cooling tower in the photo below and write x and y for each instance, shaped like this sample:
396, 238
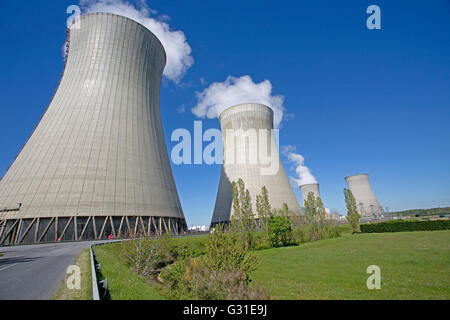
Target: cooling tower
307, 188
96, 165
367, 204
239, 126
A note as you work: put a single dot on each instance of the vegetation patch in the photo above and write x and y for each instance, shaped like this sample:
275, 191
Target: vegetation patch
83, 261
414, 265
123, 282
405, 225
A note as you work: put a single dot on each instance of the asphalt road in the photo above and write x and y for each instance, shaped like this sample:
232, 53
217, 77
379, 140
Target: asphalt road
35, 272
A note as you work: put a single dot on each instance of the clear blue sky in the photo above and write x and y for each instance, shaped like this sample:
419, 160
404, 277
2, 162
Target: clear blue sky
361, 101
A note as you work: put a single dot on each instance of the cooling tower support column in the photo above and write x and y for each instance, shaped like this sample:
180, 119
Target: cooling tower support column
96, 165
366, 202
239, 125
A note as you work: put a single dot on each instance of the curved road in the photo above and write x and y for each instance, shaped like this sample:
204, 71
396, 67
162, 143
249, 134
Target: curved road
35, 272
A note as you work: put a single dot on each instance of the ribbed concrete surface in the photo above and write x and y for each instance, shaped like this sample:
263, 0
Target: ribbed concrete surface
366, 202
246, 117
99, 149
307, 188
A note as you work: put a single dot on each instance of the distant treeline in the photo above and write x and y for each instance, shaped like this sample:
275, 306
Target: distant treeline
422, 212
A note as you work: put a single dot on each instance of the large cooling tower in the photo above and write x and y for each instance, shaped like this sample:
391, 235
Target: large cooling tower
96, 165
238, 123
307, 188
367, 204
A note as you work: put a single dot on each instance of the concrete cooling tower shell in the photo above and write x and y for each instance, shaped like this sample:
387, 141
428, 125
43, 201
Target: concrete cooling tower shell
242, 119
307, 188
96, 165
366, 202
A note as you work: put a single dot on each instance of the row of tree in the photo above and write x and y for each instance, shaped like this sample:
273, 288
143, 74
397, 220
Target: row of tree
277, 225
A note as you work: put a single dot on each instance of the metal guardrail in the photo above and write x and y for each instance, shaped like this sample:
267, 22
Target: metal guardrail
95, 293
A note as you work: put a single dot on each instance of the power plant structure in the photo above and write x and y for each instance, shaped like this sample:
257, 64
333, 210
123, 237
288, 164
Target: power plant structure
96, 166
247, 133
307, 188
366, 202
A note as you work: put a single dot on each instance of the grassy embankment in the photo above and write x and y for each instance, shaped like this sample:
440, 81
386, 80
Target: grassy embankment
123, 283
85, 293
414, 265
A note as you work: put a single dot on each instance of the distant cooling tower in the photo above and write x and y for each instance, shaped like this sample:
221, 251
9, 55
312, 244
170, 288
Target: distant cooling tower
96, 166
240, 121
367, 204
307, 188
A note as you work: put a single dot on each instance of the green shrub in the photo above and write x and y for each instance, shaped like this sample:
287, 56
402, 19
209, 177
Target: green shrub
405, 225
301, 234
146, 257
332, 229
261, 243
280, 232
193, 280
223, 272
223, 251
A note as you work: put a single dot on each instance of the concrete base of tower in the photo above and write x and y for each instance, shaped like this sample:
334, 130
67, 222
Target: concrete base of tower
79, 228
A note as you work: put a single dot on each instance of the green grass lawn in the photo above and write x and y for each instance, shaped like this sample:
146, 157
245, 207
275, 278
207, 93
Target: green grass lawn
414, 265
123, 284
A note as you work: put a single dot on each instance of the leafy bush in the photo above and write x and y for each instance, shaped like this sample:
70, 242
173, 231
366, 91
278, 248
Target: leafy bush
332, 229
405, 225
224, 252
261, 242
191, 279
280, 232
147, 256
223, 272
301, 234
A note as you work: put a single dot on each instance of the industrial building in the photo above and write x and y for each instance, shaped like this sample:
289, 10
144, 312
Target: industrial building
96, 166
366, 202
237, 124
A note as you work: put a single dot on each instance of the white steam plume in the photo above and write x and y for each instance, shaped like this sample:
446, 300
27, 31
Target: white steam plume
304, 175
222, 95
178, 50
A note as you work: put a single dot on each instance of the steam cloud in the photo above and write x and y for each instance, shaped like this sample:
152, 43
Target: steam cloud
221, 95
178, 50
304, 175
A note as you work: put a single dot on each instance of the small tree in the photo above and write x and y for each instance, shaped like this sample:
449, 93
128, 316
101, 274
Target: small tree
352, 212
312, 216
243, 220
322, 220
146, 257
280, 232
264, 210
